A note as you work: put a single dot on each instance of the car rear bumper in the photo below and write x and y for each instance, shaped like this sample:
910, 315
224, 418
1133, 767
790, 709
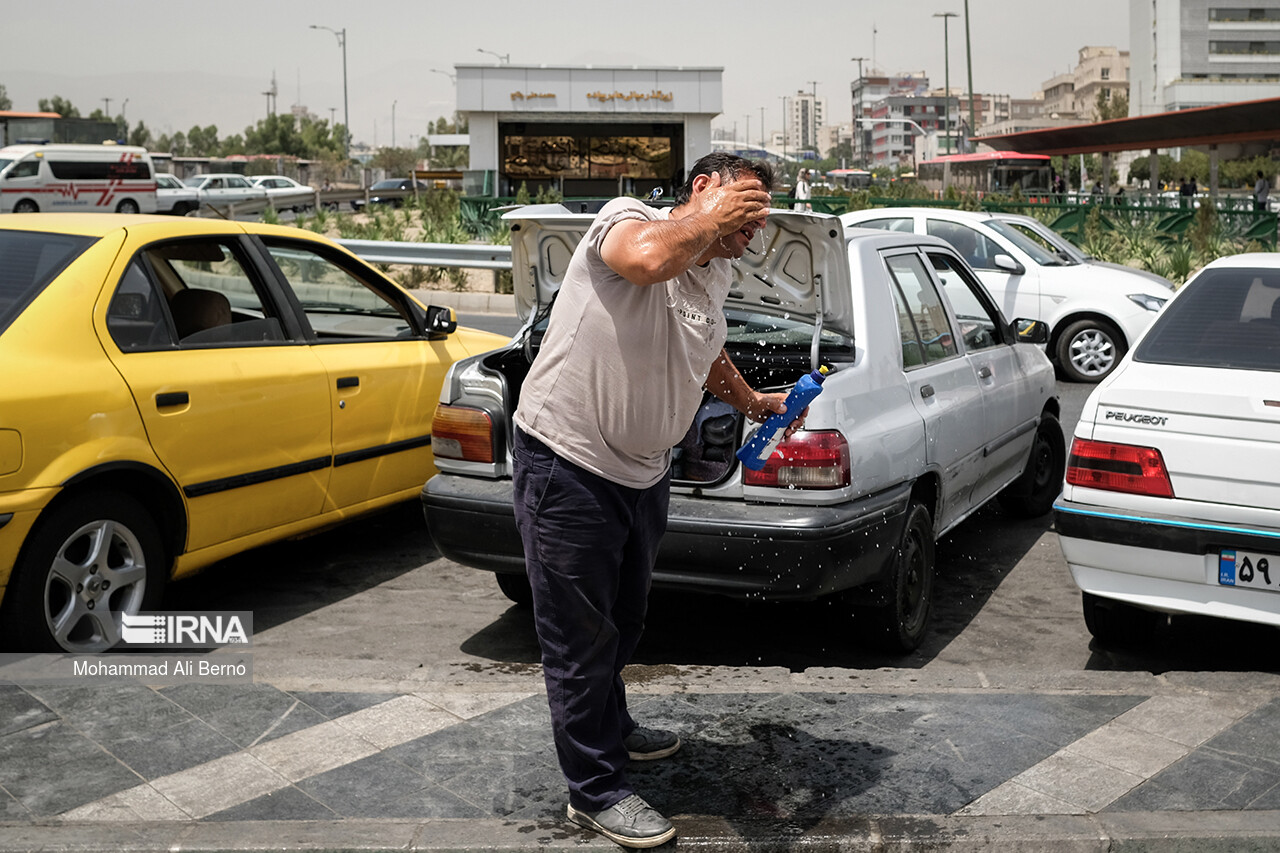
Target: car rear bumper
1163, 563
739, 549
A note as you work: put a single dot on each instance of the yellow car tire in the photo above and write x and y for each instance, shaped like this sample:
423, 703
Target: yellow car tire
89, 559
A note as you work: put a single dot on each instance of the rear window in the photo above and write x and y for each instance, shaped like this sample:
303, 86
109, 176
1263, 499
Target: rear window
1226, 318
29, 260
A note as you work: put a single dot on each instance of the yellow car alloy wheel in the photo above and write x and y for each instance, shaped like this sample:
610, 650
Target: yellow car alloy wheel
92, 558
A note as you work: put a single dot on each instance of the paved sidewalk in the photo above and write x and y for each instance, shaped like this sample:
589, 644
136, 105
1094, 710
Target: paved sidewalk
463, 761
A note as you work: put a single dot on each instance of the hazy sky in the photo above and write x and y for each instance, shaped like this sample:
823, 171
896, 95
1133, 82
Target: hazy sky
181, 63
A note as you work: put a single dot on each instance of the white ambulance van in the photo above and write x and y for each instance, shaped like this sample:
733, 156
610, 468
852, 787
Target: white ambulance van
76, 178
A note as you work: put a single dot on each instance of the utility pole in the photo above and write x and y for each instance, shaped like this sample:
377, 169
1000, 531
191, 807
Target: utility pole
968, 53
946, 62
762, 128
107, 101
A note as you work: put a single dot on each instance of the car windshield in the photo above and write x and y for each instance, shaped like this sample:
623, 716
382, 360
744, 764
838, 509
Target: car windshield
194, 182
393, 184
4, 164
29, 260
1038, 253
1051, 240
1226, 318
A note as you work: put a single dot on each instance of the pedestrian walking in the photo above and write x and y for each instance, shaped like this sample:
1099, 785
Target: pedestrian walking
1261, 190
636, 333
804, 191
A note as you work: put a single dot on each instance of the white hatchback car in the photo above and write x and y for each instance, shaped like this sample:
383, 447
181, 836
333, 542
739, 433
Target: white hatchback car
1094, 312
1172, 503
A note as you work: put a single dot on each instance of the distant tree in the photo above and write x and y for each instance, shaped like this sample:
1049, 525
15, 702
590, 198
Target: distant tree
58, 104
140, 135
5, 103
284, 134
202, 141
1106, 108
397, 162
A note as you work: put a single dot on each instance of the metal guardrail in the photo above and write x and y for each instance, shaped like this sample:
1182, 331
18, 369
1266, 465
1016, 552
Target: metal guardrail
464, 255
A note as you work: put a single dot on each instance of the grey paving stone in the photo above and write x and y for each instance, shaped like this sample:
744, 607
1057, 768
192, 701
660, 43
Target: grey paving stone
11, 809
52, 768
465, 748
334, 704
285, 804
1252, 740
110, 711
1204, 780
20, 710
358, 789
246, 714
520, 791
152, 753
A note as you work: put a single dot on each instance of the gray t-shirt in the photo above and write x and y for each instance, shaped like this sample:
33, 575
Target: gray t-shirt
619, 375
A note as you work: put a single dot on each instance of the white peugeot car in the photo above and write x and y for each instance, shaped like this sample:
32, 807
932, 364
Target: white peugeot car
1094, 312
1172, 502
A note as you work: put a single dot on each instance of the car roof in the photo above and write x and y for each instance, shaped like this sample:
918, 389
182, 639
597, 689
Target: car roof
102, 224
944, 212
1265, 260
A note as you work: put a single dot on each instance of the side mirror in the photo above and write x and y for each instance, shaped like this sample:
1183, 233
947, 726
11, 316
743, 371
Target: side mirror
1030, 331
1008, 264
440, 320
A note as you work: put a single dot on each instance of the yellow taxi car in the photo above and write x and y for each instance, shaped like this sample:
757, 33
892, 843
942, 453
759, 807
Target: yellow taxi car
177, 391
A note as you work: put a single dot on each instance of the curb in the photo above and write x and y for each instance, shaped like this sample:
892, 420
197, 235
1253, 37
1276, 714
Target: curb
1167, 832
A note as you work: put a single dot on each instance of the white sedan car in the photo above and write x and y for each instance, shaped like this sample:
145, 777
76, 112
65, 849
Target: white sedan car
286, 193
225, 189
1094, 312
1172, 502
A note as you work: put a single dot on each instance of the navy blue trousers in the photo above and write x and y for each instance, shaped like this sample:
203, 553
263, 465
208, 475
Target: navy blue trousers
589, 547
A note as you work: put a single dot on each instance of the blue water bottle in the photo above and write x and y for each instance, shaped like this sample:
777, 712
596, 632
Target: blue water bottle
756, 452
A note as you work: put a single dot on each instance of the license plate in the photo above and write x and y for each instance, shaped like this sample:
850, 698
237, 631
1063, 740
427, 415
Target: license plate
1247, 568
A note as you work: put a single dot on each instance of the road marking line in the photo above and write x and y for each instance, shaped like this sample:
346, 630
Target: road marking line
237, 778
1089, 774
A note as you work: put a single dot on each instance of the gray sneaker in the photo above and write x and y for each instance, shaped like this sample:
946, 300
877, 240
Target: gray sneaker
631, 823
647, 744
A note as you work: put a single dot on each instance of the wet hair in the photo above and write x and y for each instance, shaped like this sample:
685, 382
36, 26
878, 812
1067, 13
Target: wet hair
729, 166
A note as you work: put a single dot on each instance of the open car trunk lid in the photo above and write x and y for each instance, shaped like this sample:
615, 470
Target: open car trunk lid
796, 268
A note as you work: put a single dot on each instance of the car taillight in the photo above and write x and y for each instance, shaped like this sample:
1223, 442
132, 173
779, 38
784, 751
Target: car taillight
459, 432
807, 460
1118, 468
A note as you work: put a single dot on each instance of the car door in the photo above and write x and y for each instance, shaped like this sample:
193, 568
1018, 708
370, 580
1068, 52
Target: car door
235, 406
1017, 294
941, 379
384, 371
989, 349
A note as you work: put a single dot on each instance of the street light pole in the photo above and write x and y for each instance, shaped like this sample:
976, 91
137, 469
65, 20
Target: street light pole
762, 128
503, 58
393, 123
341, 36
946, 63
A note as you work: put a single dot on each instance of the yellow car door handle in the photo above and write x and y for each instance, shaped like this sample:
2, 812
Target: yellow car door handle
348, 381
172, 398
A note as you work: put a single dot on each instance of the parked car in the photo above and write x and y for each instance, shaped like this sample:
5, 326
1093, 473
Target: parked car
392, 191
175, 197
1171, 502
1094, 313
932, 408
221, 190
179, 390
286, 193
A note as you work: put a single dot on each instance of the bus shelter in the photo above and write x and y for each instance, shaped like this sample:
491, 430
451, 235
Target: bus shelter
1240, 129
